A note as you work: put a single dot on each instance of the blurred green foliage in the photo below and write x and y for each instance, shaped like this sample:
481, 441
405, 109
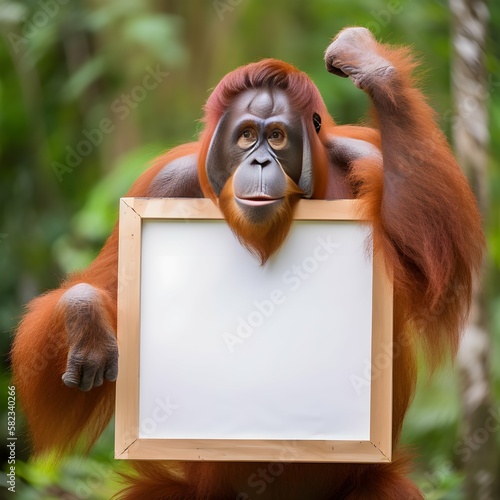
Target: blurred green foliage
78, 125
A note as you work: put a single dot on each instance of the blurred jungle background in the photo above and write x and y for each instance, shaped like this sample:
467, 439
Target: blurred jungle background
80, 121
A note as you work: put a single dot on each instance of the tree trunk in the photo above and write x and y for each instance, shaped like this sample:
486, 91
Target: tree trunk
477, 446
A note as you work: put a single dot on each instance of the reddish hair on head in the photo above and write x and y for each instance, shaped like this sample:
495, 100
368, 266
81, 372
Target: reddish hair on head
304, 98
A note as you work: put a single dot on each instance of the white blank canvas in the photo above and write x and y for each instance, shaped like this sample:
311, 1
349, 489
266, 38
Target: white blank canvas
233, 350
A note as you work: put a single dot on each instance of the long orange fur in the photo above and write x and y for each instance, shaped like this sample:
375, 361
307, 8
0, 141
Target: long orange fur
430, 235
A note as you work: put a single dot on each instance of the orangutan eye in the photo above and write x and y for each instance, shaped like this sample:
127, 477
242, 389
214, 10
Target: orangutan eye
277, 139
247, 138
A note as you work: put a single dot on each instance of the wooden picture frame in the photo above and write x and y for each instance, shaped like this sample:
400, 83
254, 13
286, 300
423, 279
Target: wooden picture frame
284, 388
